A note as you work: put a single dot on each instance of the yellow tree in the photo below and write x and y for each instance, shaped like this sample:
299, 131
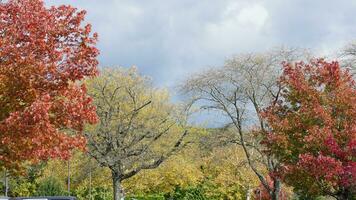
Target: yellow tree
138, 127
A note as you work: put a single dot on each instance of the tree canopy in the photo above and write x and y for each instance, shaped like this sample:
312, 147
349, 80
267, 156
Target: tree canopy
43, 53
312, 128
138, 127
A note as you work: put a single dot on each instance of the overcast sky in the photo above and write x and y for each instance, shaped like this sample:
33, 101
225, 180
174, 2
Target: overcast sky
170, 39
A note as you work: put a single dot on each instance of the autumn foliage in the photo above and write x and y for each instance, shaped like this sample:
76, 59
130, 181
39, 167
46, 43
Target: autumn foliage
44, 52
261, 193
313, 128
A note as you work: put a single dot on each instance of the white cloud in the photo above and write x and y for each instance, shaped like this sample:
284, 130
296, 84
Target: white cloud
171, 39
254, 16
241, 28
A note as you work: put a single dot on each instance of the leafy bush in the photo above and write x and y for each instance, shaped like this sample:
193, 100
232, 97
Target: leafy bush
97, 193
23, 189
191, 193
50, 186
147, 197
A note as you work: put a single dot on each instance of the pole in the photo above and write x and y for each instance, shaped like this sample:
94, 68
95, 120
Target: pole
6, 183
68, 181
90, 180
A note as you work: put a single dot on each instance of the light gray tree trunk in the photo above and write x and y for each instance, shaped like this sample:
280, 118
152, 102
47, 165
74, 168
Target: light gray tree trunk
248, 193
118, 190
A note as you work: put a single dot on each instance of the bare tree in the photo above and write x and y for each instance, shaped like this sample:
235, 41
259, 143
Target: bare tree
240, 90
348, 57
138, 128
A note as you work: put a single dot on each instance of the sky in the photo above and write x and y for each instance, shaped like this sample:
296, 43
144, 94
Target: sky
171, 39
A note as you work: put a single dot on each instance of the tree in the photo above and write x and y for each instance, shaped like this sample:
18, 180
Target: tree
87, 179
313, 128
138, 128
43, 53
239, 91
348, 57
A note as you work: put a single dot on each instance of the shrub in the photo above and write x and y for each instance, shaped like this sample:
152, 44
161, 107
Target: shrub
191, 193
50, 186
97, 193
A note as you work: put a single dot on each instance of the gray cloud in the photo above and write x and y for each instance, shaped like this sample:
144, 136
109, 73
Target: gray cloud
170, 39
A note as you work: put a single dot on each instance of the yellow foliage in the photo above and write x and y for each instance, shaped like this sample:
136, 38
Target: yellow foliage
227, 174
80, 166
176, 171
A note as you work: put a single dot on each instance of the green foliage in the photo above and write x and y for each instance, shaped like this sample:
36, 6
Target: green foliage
50, 186
147, 197
204, 191
26, 185
217, 191
96, 193
190, 193
23, 189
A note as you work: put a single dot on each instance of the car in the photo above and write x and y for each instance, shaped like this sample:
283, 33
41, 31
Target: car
43, 198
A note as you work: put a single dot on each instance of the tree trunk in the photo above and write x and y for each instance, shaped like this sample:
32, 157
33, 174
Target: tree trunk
276, 189
274, 196
118, 190
248, 193
6, 183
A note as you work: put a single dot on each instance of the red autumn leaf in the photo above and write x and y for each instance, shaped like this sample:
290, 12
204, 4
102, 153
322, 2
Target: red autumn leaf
313, 128
44, 52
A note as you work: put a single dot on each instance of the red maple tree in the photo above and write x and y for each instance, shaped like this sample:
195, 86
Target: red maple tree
313, 129
44, 52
